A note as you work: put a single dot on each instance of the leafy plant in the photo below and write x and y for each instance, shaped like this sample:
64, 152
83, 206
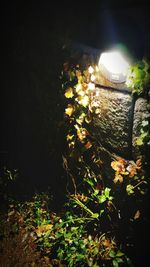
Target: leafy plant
117, 257
138, 78
144, 137
131, 174
67, 242
96, 197
87, 231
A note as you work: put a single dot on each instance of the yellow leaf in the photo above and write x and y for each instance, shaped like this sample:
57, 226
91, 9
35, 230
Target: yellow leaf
43, 228
137, 215
82, 133
69, 110
118, 166
70, 137
107, 243
86, 73
80, 119
69, 93
88, 119
139, 141
98, 162
132, 170
139, 163
71, 145
47, 259
97, 110
78, 87
118, 178
81, 197
79, 74
83, 100
76, 126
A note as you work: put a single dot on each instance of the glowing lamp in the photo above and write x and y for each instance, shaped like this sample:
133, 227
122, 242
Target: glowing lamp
113, 66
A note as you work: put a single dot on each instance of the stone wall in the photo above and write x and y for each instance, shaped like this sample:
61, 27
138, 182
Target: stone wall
113, 123
118, 122
141, 112
117, 125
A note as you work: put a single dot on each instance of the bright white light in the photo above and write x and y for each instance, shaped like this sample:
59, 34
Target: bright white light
91, 86
90, 69
114, 66
114, 62
93, 77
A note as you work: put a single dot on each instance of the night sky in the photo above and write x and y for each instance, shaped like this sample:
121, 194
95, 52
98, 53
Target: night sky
32, 36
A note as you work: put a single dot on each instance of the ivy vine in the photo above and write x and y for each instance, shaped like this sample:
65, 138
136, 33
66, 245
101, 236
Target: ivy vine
138, 77
96, 225
95, 197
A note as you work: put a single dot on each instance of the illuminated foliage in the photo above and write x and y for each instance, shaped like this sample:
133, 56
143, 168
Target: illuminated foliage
138, 77
87, 231
130, 173
62, 240
144, 137
95, 197
138, 80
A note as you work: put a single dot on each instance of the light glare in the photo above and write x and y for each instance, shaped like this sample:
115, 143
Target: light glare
91, 86
90, 69
114, 63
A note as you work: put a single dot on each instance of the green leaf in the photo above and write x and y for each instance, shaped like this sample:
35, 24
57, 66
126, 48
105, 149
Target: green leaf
73, 248
119, 254
107, 191
102, 199
112, 254
74, 229
95, 215
128, 261
115, 263
119, 260
96, 191
145, 123
139, 141
58, 235
101, 212
130, 189
89, 181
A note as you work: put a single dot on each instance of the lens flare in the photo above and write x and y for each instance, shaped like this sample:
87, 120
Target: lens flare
113, 66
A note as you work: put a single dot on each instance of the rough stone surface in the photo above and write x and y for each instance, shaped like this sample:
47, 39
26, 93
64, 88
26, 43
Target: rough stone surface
112, 126
141, 111
102, 81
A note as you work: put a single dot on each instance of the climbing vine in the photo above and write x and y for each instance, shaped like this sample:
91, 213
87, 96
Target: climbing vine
96, 225
99, 198
138, 77
138, 80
